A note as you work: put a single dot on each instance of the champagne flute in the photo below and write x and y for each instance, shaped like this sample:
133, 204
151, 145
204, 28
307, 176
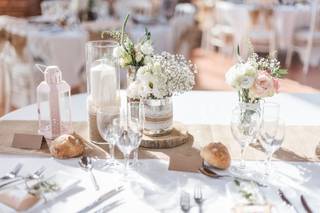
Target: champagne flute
108, 129
245, 124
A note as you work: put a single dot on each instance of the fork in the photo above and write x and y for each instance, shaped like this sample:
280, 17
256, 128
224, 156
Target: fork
185, 201
198, 197
34, 176
13, 173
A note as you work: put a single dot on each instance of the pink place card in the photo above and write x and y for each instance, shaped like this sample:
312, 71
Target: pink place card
28, 141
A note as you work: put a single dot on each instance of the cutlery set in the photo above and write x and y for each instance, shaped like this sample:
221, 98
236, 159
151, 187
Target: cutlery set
12, 178
205, 170
185, 199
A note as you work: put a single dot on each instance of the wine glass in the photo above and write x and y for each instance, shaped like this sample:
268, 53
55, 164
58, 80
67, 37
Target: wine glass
136, 111
271, 133
245, 124
130, 138
107, 118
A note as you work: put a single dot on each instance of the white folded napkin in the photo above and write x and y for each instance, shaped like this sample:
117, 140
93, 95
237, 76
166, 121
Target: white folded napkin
20, 198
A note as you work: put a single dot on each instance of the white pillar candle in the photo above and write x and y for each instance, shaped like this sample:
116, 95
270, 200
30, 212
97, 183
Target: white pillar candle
103, 83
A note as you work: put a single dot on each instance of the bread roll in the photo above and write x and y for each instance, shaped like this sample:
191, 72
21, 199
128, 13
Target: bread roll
216, 155
67, 146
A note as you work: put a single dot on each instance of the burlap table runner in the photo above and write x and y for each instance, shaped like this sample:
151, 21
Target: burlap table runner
299, 144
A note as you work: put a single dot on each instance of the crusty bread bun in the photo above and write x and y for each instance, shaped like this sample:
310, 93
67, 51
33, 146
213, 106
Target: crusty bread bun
318, 151
217, 155
67, 146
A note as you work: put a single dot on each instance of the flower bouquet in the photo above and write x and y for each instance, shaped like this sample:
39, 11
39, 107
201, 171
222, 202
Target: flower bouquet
164, 76
131, 56
154, 78
255, 78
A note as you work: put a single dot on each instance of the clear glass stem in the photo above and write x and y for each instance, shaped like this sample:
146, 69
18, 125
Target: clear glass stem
268, 164
135, 156
111, 147
242, 161
126, 164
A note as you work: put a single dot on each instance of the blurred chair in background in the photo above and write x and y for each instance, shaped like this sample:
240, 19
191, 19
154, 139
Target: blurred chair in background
262, 33
306, 42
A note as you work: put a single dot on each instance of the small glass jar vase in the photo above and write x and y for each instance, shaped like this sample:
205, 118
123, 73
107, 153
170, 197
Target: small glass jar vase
250, 109
158, 116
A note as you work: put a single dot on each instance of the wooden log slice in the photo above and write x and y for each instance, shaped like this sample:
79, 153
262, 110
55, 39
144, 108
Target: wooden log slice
178, 136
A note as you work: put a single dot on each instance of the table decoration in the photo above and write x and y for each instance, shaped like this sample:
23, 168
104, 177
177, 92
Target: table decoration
291, 150
131, 56
178, 136
256, 78
166, 75
103, 79
155, 78
53, 98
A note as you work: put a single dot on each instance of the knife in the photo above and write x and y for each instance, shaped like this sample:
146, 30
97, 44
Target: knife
101, 199
305, 204
286, 200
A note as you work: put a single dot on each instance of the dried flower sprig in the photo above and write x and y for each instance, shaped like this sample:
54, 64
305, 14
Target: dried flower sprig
43, 187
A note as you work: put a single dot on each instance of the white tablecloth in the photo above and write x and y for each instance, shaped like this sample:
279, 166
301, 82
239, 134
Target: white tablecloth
156, 189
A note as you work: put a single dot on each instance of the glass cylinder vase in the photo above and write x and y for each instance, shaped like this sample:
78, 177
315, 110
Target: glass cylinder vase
103, 81
158, 116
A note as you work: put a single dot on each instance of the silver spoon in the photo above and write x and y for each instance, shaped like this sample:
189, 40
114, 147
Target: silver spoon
13, 173
86, 163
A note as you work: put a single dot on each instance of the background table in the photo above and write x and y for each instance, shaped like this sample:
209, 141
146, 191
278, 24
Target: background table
156, 189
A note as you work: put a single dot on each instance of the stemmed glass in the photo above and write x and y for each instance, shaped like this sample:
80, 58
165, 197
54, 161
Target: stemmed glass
136, 111
245, 124
107, 118
130, 137
271, 133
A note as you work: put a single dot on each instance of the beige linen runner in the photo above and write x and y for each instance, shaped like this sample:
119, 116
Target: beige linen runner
299, 144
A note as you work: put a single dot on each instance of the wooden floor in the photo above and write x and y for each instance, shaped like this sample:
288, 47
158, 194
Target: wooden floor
213, 66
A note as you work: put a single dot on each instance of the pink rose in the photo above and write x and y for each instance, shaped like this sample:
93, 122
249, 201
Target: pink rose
264, 86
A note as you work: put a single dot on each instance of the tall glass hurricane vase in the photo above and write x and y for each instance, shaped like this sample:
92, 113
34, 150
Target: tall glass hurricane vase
103, 81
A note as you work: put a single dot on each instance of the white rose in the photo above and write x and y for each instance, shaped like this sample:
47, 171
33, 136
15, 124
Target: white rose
241, 76
146, 48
